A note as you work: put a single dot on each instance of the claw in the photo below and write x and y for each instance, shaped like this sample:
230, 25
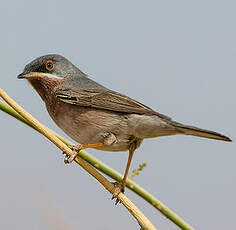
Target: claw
117, 190
69, 159
117, 200
76, 149
66, 159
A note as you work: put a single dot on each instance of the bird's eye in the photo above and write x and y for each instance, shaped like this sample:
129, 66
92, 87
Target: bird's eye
49, 65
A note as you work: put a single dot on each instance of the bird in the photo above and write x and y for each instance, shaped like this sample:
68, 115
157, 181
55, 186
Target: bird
97, 117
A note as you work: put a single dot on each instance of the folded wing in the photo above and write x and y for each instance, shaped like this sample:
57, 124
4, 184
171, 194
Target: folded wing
102, 98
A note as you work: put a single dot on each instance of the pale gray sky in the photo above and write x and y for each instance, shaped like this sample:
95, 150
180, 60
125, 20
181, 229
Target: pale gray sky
177, 57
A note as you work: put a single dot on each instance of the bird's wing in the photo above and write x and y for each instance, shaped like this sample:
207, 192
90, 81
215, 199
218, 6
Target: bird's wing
103, 98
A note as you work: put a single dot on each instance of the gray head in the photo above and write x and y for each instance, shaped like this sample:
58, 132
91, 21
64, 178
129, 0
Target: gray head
52, 65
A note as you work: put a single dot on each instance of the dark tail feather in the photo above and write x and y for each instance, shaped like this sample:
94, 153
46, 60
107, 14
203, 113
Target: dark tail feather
194, 131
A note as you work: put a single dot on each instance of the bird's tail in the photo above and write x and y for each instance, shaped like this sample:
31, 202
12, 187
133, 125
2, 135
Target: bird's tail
194, 131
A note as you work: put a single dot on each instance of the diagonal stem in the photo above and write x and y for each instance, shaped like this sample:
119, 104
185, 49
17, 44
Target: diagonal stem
111, 173
138, 215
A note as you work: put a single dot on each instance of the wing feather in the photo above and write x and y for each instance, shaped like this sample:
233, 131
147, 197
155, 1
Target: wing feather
104, 99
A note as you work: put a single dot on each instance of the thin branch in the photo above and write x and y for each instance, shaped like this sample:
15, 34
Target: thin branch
113, 174
138, 215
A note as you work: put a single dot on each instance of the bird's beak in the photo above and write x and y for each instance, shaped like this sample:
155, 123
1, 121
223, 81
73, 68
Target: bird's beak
30, 75
21, 76
36, 75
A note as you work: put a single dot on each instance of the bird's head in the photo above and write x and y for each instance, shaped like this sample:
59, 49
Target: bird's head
47, 72
49, 66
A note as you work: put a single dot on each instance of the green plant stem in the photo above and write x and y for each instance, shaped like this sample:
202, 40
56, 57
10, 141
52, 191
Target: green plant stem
113, 174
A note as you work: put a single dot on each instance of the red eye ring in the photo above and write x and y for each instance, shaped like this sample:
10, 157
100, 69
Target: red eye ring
49, 65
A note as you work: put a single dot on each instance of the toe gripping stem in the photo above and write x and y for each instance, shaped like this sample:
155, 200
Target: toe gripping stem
75, 150
118, 188
69, 159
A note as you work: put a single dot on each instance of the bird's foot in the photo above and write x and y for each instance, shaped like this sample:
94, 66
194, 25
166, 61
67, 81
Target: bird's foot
118, 188
77, 148
69, 159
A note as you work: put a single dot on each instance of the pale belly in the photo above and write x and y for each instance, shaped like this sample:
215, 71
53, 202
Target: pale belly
87, 125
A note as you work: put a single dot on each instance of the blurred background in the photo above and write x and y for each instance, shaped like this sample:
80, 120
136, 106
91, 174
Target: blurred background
177, 57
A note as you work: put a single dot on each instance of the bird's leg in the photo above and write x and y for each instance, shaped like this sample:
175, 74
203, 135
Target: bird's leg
77, 148
120, 186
